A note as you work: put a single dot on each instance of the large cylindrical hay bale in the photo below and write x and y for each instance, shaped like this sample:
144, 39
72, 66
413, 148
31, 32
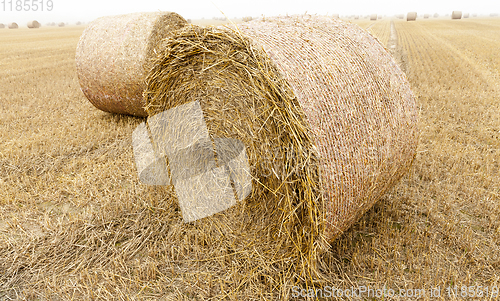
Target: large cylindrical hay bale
455, 15
373, 17
2, 25
411, 16
33, 24
13, 25
62, 24
112, 58
326, 115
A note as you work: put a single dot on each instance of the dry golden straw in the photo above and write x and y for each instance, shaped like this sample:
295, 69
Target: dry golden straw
325, 113
33, 24
112, 58
411, 16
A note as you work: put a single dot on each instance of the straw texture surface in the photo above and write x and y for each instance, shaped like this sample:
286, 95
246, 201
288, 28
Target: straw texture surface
112, 58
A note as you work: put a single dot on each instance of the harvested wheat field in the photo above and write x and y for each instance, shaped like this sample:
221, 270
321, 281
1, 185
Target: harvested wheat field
75, 223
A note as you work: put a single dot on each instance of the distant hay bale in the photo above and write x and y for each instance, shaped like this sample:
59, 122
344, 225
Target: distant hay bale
436, 15
78, 23
13, 25
62, 24
336, 16
2, 25
356, 17
411, 16
33, 24
112, 58
373, 17
455, 15
466, 15
400, 16
326, 115
426, 16
379, 17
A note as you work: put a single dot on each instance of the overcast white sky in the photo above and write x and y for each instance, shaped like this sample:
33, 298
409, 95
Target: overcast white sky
87, 10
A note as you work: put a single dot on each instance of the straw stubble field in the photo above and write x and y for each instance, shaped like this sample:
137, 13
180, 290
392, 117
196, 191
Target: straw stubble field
76, 223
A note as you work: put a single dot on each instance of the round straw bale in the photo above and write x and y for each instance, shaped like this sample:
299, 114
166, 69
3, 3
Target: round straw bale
112, 58
2, 25
373, 17
411, 16
466, 15
426, 16
326, 115
455, 15
436, 15
62, 24
13, 25
33, 24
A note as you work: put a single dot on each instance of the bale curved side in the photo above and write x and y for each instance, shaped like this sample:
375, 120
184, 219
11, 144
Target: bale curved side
2, 25
318, 102
112, 58
13, 25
